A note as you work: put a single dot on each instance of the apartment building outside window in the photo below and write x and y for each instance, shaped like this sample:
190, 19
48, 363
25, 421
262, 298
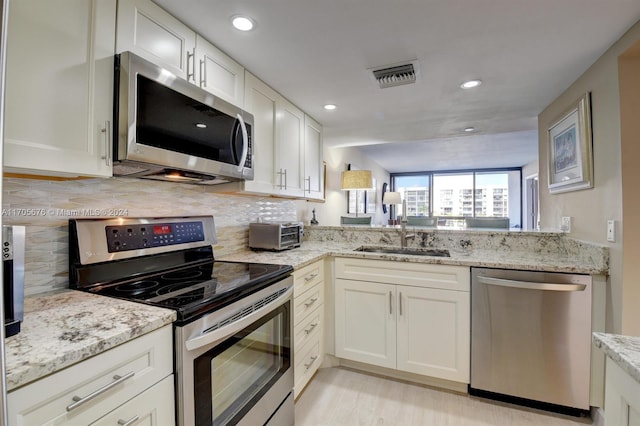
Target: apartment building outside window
453, 195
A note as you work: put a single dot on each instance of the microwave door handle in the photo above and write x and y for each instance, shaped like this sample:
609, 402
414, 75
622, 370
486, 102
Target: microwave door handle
245, 143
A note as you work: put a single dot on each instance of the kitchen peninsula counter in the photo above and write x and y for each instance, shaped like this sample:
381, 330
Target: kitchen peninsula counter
536, 251
69, 326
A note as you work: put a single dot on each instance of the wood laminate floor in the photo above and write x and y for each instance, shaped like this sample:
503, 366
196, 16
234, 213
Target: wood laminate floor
338, 396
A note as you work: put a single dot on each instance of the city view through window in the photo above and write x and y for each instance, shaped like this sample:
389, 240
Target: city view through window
457, 195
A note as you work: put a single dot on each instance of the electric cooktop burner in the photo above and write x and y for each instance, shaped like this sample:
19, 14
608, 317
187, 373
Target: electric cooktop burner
208, 286
166, 262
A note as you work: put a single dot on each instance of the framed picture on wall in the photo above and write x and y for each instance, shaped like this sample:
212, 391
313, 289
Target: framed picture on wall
571, 148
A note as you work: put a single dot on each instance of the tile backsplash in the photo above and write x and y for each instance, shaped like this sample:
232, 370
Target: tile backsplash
44, 207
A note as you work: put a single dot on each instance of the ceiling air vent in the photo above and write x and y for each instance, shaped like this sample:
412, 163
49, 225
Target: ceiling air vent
395, 75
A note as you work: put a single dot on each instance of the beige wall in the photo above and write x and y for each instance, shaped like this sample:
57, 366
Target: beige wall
629, 71
335, 205
590, 209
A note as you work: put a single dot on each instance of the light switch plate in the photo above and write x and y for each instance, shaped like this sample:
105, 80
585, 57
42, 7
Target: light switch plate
565, 225
611, 231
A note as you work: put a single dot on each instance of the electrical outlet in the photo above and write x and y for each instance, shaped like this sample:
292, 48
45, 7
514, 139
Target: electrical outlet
565, 225
611, 230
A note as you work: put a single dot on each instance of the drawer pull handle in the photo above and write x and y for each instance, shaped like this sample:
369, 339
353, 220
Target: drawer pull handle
312, 360
314, 300
310, 277
78, 400
310, 329
129, 422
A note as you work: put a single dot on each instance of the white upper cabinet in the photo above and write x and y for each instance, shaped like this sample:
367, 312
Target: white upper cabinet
218, 74
289, 149
260, 100
153, 34
150, 32
59, 87
287, 146
313, 165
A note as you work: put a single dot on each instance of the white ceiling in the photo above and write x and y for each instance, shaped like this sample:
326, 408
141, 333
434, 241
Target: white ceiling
319, 51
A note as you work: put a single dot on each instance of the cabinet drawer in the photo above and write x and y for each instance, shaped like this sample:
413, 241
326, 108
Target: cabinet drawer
308, 329
308, 302
116, 375
446, 277
306, 364
307, 277
153, 407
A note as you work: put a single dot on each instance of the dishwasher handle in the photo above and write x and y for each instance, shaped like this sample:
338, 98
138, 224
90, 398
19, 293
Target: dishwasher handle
530, 285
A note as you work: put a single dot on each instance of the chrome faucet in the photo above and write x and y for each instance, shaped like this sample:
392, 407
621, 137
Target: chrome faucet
403, 232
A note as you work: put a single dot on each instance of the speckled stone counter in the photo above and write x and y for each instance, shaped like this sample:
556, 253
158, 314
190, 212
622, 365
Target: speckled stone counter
623, 350
552, 260
64, 328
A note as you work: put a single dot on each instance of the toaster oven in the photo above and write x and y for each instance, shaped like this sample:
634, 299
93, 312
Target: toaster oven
275, 236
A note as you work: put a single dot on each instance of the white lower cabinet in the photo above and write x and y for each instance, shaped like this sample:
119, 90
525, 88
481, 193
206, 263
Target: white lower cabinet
132, 380
406, 316
308, 319
153, 407
622, 397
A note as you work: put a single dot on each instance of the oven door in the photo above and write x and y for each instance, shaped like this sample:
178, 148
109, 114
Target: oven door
234, 366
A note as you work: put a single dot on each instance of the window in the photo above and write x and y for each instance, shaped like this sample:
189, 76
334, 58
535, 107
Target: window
454, 195
415, 190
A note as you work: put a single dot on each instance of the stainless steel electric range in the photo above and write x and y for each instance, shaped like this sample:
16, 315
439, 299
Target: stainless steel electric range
233, 331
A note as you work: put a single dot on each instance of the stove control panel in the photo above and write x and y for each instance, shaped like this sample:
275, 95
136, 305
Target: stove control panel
141, 236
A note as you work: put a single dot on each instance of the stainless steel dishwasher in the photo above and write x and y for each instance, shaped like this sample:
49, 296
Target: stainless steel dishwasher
531, 338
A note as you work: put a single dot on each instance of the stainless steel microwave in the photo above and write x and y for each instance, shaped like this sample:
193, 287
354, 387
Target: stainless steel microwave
169, 129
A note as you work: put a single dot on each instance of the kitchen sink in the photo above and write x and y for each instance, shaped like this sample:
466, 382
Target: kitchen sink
400, 250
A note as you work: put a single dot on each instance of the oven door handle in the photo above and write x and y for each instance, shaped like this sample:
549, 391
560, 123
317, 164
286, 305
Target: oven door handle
216, 336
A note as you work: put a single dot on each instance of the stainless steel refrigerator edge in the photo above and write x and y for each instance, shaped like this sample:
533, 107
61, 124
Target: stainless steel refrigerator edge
3, 384
531, 335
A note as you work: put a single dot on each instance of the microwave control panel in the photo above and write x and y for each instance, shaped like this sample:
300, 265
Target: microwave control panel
141, 236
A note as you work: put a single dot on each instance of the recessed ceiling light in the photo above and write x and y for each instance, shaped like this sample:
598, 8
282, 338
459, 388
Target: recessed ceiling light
242, 23
330, 107
471, 84
469, 129
201, 125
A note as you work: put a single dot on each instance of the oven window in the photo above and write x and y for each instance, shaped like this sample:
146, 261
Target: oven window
231, 377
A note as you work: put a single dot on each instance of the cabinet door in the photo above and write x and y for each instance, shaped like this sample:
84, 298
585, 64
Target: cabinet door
433, 332
150, 32
366, 322
313, 169
219, 74
260, 100
289, 149
622, 397
153, 407
59, 93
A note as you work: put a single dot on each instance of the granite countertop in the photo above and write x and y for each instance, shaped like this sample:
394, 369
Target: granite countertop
623, 350
69, 326
311, 251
